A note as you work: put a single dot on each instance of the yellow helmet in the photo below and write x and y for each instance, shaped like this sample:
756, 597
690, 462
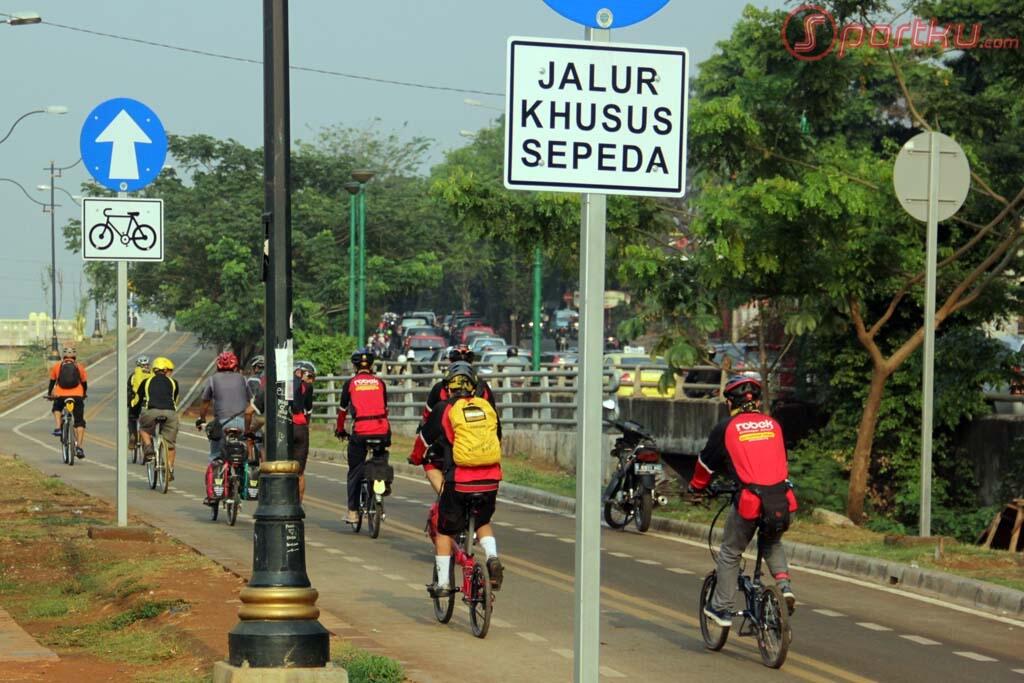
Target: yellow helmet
162, 363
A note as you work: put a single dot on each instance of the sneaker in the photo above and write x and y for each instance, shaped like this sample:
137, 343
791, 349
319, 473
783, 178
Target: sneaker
79, 453
353, 517
788, 595
56, 432
148, 455
721, 617
497, 572
437, 590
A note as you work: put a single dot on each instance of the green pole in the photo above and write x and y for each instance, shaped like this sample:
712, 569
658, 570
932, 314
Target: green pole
538, 264
352, 265
362, 266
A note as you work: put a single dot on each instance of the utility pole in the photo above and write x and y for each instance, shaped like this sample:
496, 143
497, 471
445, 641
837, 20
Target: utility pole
352, 187
54, 350
278, 624
538, 267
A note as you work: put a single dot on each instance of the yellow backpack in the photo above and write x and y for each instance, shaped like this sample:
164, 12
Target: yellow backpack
476, 433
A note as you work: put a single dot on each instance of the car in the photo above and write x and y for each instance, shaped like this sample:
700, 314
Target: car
482, 343
424, 342
559, 358
411, 322
624, 367
496, 362
468, 329
426, 315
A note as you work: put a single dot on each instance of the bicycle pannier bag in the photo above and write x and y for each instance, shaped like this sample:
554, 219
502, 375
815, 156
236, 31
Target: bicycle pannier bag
775, 507
214, 430
476, 433
68, 377
215, 479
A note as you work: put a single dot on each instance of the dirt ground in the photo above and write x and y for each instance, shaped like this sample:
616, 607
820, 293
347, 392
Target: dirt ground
111, 610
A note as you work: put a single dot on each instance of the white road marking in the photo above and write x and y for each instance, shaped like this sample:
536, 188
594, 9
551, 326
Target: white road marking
872, 627
503, 524
395, 577
524, 530
610, 672
532, 637
620, 554
679, 570
500, 623
544, 534
353, 559
315, 544
561, 651
371, 568
829, 613
652, 562
975, 656
333, 551
920, 640
418, 587
1018, 671
567, 540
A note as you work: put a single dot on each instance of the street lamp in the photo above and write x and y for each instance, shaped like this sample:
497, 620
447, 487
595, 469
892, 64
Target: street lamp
49, 109
362, 176
22, 19
55, 172
477, 103
352, 187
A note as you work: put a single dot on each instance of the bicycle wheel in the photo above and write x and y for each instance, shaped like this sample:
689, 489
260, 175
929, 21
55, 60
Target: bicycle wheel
374, 515
774, 636
144, 237
137, 451
481, 600
101, 236
67, 455
444, 607
151, 472
363, 495
644, 512
72, 444
234, 498
714, 635
161, 466
214, 510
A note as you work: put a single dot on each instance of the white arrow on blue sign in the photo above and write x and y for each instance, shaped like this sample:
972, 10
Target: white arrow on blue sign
123, 144
606, 13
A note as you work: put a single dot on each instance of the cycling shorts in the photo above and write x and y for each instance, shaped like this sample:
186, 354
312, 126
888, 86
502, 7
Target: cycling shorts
453, 517
78, 412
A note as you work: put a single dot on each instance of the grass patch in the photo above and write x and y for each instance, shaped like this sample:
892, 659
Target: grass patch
115, 639
48, 608
366, 667
519, 470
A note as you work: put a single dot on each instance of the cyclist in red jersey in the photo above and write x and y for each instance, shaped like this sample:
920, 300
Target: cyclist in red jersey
467, 431
748, 446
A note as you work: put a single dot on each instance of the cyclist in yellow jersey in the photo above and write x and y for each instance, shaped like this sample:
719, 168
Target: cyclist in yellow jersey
160, 399
141, 373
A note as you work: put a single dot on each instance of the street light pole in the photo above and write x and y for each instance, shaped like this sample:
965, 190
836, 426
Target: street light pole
55, 172
278, 624
352, 187
538, 266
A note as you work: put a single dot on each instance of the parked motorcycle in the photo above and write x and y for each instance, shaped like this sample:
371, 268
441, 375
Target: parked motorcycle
631, 492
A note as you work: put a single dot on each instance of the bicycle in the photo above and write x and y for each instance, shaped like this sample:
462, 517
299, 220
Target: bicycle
476, 579
137, 454
233, 456
68, 445
141, 235
765, 616
156, 466
373, 488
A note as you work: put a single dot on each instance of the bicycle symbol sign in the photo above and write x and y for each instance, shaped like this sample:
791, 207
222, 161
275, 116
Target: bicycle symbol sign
115, 229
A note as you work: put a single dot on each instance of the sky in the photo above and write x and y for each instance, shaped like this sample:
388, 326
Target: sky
449, 43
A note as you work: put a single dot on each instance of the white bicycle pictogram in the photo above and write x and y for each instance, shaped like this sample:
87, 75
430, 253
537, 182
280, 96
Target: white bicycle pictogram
101, 235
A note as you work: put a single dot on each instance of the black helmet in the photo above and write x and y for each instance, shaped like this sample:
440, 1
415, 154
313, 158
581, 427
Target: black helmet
512, 351
461, 353
363, 358
306, 367
461, 379
741, 390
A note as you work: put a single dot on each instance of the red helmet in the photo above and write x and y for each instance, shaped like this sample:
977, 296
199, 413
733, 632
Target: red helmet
227, 361
742, 390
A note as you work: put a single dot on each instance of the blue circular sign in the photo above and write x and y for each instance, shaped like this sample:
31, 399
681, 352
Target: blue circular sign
123, 144
606, 13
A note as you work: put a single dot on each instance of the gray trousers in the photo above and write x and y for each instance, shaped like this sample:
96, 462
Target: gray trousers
737, 536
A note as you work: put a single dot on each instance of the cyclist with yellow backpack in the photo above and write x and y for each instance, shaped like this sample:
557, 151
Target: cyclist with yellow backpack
468, 431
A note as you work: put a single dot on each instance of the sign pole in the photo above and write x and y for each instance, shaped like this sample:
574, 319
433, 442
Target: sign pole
928, 383
587, 609
122, 389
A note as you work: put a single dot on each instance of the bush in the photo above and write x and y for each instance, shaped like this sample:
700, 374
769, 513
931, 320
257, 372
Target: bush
818, 476
365, 667
329, 352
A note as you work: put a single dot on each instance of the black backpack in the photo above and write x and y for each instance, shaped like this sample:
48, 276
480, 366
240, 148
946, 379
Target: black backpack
68, 377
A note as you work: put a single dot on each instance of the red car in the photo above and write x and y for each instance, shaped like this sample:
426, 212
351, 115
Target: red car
475, 328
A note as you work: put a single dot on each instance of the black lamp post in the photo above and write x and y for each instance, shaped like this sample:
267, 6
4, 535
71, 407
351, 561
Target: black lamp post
352, 187
278, 624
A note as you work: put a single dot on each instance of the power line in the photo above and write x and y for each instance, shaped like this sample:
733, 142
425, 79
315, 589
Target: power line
246, 60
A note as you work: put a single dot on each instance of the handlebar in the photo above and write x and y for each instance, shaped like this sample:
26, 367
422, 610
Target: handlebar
717, 489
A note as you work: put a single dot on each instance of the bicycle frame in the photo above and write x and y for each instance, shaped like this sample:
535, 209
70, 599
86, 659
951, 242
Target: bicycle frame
750, 586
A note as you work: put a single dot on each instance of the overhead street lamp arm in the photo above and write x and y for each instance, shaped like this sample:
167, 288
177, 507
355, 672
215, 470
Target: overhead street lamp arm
51, 109
24, 191
74, 198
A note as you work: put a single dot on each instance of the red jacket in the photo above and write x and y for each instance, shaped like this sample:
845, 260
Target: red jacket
365, 396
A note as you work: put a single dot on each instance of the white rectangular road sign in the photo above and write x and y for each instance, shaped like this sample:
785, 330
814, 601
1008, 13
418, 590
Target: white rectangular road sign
586, 117
115, 229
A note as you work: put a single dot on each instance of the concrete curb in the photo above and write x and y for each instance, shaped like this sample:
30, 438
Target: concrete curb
958, 589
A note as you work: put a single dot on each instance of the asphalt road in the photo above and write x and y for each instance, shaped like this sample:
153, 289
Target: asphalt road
843, 630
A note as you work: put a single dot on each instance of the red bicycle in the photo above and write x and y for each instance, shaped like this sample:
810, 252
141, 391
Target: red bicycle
476, 579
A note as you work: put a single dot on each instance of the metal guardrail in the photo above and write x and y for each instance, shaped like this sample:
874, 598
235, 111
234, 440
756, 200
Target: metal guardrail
524, 398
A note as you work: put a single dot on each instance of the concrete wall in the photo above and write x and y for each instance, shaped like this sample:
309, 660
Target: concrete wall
991, 442
678, 426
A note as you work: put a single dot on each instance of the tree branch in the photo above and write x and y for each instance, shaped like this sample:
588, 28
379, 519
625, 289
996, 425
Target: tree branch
866, 339
771, 152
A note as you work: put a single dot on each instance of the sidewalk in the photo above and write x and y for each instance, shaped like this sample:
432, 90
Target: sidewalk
16, 645
968, 592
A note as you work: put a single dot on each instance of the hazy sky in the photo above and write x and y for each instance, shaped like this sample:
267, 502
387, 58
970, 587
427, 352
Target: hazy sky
452, 43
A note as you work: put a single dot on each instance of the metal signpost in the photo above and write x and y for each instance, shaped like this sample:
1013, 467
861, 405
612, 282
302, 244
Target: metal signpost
931, 178
567, 128
123, 146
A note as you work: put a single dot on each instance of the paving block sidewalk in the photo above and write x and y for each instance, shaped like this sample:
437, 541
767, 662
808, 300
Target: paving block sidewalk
16, 645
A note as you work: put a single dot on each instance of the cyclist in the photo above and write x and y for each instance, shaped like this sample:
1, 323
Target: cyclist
232, 401
68, 378
749, 446
159, 398
467, 430
365, 396
139, 375
302, 408
439, 394
256, 381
